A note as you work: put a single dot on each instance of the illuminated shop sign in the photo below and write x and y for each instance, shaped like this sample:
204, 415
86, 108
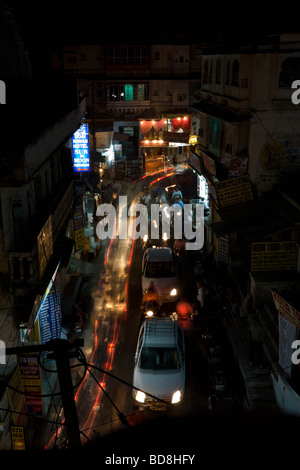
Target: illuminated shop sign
80, 149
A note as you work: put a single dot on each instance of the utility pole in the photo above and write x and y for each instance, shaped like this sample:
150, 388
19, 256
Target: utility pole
61, 353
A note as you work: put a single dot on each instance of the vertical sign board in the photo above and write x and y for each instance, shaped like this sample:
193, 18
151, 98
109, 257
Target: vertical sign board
17, 401
289, 322
50, 316
78, 228
17, 437
80, 149
30, 373
2, 92
287, 334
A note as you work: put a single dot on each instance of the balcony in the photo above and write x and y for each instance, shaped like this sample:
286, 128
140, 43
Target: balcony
121, 108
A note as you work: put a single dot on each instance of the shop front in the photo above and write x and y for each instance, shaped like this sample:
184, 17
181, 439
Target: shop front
164, 142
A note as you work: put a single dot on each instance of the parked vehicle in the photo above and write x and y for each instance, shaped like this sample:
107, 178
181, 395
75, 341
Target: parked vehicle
159, 364
159, 266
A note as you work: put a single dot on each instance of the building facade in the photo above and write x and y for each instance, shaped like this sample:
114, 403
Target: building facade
248, 150
36, 200
128, 86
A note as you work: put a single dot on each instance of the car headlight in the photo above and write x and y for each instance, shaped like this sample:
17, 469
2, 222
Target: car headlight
176, 397
173, 292
149, 313
140, 396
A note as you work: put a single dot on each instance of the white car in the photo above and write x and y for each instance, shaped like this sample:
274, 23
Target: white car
159, 363
159, 266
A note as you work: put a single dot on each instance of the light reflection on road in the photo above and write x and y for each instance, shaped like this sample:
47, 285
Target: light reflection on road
110, 308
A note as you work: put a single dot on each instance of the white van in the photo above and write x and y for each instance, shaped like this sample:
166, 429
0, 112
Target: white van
159, 363
159, 266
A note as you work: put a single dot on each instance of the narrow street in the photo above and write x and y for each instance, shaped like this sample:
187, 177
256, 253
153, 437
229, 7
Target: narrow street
104, 399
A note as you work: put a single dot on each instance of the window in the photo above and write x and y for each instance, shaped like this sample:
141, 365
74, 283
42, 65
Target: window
214, 133
128, 92
205, 72
290, 71
159, 358
160, 269
227, 73
140, 55
235, 73
218, 71
210, 72
127, 55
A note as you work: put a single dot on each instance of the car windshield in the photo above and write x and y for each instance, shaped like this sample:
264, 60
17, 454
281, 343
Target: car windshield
160, 269
159, 358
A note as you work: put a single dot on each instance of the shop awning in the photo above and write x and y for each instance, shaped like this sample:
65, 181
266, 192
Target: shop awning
258, 218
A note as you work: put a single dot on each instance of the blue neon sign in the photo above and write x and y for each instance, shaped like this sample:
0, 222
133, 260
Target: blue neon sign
80, 149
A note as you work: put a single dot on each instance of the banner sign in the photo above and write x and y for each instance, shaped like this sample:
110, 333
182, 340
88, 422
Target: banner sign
287, 310
288, 323
50, 316
78, 228
80, 149
287, 334
234, 191
274, 256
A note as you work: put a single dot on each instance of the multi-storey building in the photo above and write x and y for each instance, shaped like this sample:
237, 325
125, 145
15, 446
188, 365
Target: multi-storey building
248, 149
36, 199
229, 109
127, 87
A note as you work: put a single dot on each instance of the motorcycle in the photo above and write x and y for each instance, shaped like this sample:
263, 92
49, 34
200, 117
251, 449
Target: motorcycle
80, 318
150, 309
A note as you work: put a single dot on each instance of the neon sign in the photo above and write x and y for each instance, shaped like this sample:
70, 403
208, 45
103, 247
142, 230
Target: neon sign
80, 149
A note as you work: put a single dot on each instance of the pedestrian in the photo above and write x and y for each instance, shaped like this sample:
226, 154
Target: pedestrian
151, 296
176, 192
101, 283
201, 293
256, 334
146, 198
179, 246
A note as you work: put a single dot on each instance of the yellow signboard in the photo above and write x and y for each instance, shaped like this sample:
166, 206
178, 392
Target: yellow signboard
274, 256
234, 191
44, 246
17, 400
17, 437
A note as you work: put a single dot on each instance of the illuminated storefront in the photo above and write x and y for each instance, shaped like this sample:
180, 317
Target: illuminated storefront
164, 142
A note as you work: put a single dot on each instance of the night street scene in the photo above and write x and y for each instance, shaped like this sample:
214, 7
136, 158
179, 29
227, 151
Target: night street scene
149, 233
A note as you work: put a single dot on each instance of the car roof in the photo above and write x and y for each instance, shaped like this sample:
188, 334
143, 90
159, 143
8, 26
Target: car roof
160, 331
160, 254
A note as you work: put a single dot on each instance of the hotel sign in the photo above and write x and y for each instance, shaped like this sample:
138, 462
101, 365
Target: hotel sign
80, 149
